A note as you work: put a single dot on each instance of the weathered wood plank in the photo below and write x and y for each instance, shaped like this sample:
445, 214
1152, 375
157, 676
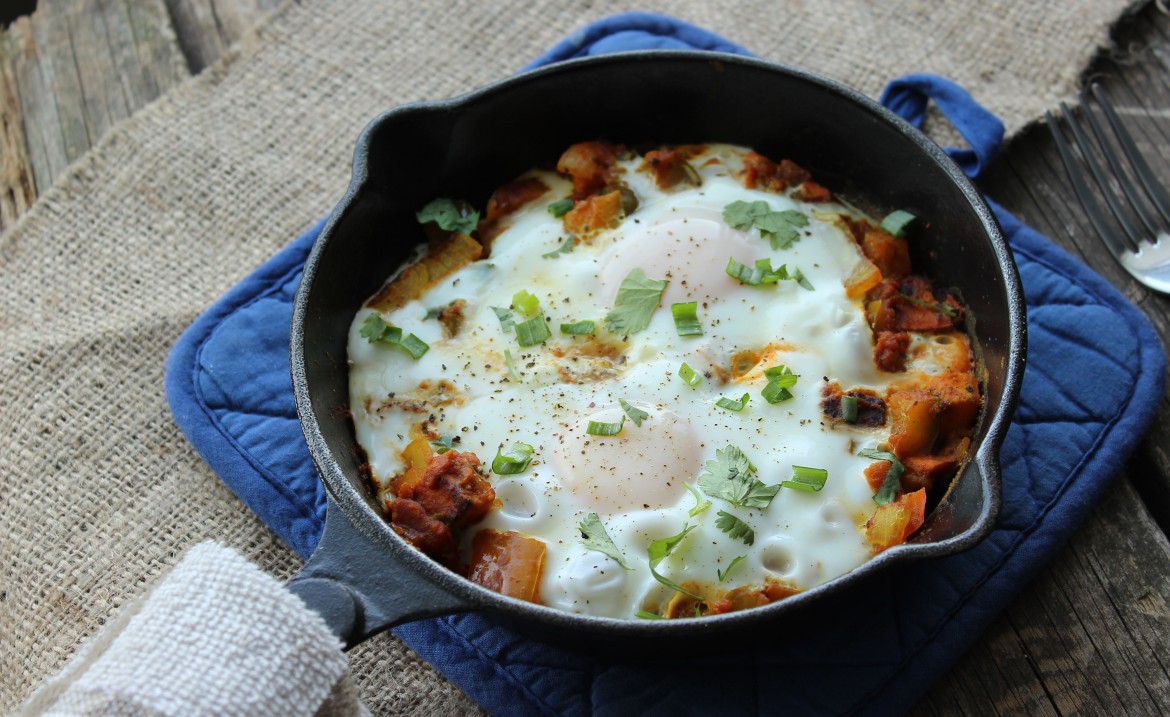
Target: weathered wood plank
17, 191
1087, 637
207, 27
75, 69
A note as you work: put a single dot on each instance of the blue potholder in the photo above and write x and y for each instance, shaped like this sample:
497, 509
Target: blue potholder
229, 388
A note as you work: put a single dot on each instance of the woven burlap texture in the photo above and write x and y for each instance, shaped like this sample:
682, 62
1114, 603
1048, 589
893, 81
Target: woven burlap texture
100, 490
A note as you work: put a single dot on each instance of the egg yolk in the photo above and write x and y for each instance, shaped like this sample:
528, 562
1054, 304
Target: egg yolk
642, 467
691, 251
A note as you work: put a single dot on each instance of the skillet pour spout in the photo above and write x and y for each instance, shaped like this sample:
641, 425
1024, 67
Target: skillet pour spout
364, 577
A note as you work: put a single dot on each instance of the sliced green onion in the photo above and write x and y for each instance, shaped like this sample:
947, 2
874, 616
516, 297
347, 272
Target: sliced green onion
780, 379
636, 415
375, 330
849, 409
659, 550
774, 393
732, 405
647, 615
724, 573
893, 481
700, 504
896, 222
601, 428
761, 273
560, 207
533, 331
686, 319
512, 461
525, 303
689, 375
579, 328
511, 365
807, 479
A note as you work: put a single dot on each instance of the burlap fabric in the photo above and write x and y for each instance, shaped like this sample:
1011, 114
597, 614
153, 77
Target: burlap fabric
100, 491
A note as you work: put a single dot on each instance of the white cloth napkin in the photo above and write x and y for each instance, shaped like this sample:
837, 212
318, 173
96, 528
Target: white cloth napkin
216, 636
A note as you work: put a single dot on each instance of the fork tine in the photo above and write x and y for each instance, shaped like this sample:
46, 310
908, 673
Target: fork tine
1088, 202
1128, 189
1119, 212
1153, 189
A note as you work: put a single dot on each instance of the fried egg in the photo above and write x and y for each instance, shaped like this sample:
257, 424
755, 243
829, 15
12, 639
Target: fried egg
480, 391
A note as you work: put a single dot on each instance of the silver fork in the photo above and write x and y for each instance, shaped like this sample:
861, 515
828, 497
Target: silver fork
1142, 247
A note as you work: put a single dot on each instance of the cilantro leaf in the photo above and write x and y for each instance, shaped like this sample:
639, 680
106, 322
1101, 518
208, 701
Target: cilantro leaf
735, 528
742, 215
659, 550
443, 444
564, 248
779, 228
637, 298
636, 415
594, 537
444, 212
732, 477
507, 323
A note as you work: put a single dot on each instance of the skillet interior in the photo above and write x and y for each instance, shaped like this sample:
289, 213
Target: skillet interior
468, 146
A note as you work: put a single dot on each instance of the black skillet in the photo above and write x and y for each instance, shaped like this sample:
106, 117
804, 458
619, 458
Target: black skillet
363, 578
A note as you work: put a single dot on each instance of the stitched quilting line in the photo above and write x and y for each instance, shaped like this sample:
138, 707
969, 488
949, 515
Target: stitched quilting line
1024, 533
305, 508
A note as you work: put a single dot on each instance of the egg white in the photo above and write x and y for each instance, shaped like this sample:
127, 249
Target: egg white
634, 481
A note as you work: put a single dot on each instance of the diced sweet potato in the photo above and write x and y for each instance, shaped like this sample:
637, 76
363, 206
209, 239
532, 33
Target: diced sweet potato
508, 563
894, 522
925, 471
914, 416
443, 260
504, 201
590, 166
891, 254
810, 191
670, 167
865, 276
761, 172
958, 394
601, 211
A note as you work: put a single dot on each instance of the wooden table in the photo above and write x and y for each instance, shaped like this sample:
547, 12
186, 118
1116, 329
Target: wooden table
1091, 635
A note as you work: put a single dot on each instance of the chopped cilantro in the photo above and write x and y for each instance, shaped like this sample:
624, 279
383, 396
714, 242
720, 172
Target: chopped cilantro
732, 477
735, 528
636, 415
779, 228
637, 298
564, 248
447, 215
594, 537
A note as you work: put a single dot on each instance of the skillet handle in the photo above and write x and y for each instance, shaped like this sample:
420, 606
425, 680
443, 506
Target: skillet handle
361, 589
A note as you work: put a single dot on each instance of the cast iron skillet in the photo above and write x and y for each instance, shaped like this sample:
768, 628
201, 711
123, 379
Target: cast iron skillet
363, 578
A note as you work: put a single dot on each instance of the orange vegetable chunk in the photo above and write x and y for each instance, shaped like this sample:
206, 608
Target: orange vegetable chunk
894, 522
600, 211
508, 563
